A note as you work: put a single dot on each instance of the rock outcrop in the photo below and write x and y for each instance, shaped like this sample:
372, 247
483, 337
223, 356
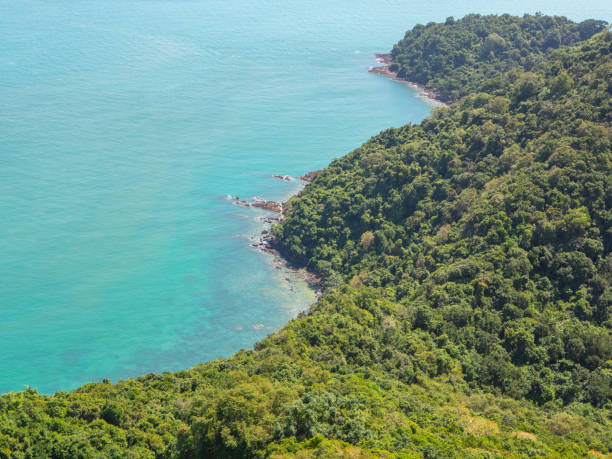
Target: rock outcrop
310, 176
272, 206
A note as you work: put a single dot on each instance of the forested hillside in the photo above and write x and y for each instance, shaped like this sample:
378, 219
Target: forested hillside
468, 269
456, 58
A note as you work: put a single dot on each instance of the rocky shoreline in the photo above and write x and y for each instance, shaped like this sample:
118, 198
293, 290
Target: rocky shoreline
386, 60
264, 242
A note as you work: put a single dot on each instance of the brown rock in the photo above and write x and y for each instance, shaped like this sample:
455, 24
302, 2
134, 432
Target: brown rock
310, 176
272, 206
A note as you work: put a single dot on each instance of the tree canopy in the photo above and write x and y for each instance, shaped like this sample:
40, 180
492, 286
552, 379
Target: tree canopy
457, 57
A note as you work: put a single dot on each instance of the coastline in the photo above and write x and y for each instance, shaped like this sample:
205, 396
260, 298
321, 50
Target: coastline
264, 242
424, 92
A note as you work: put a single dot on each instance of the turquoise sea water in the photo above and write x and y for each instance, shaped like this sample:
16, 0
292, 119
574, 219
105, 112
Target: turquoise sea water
123, 124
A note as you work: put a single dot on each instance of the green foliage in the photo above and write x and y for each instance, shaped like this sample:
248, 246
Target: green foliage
112, 413
491, 222
468, 269
458, 58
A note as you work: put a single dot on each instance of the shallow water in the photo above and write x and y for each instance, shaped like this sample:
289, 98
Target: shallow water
124, 124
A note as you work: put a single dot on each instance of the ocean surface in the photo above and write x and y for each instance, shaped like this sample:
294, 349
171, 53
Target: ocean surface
123, 127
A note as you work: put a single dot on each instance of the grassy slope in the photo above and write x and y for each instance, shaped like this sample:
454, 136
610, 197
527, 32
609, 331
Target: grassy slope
468, 219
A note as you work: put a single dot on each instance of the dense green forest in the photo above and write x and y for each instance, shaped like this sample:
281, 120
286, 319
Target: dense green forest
467, 268
456, 58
